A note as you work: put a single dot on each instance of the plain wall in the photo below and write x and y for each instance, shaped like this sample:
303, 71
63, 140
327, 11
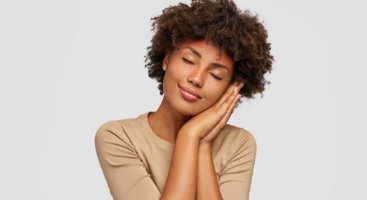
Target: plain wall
68, 66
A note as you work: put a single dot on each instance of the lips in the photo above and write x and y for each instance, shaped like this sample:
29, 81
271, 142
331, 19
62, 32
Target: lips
188, 94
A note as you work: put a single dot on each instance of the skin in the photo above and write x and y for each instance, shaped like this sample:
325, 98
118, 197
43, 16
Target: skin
192, 122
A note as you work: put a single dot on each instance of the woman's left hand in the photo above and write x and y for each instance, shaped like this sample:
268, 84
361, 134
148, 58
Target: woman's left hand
206, 125
224, 108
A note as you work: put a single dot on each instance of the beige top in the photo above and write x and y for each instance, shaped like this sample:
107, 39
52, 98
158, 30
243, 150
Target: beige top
135, 161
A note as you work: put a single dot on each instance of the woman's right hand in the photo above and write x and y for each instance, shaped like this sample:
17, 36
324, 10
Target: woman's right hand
206, 125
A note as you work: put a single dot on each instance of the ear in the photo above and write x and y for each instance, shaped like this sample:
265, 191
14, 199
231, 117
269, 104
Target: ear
165, 62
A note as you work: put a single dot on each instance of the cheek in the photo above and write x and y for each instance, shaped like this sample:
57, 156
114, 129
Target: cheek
216, 92
176, 73
171, 78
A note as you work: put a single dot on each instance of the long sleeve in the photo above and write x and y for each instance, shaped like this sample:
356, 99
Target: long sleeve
124, 171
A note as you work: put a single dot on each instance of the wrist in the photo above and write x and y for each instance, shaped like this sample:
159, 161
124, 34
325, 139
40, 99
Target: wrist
188, 135
205, 145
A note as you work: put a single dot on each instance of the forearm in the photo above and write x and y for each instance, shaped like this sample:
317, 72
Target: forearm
182, 177
207, 184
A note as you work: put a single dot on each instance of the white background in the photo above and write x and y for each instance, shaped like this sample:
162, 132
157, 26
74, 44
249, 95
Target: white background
68, 66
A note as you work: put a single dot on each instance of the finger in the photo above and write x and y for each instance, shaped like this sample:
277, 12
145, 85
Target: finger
224, 119
228, 92
228, 104
231, 102
226, 101
233, 88
230, 110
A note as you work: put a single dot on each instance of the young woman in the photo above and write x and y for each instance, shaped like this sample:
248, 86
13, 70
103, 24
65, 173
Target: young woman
205, 57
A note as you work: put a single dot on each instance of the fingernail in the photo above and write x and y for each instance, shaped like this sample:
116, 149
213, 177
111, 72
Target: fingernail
235, 89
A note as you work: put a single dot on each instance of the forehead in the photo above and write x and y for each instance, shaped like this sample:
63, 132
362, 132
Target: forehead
205, 49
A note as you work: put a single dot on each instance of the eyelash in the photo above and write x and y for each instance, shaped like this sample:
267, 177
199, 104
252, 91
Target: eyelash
216, 77
187, 61
191, 63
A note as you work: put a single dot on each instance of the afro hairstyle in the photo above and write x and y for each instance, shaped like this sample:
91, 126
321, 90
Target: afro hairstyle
238, 33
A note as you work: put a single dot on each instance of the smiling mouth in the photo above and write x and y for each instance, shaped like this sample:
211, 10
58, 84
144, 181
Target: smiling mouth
189, 95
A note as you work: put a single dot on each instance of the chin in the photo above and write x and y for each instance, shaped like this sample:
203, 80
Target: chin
188, 109
188, 113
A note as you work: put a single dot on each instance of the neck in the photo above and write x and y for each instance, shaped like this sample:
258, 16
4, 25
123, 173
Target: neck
166, 122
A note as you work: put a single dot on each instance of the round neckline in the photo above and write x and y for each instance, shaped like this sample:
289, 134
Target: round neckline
154, 136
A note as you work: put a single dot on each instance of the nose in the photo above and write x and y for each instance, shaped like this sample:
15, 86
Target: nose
196, 78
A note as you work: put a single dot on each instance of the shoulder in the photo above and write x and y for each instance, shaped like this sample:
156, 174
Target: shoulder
114, 126
116, 130
235, 137
231, 132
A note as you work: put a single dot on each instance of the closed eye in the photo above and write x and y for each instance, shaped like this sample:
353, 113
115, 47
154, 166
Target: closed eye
187, 61
215, 76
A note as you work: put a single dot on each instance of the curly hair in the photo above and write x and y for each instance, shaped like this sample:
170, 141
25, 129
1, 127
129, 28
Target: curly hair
238, 33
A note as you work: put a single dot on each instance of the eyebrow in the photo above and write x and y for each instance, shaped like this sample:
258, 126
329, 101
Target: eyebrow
220, 66
214, 64
195, 52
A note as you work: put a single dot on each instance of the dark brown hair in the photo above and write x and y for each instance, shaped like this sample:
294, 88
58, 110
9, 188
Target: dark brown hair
238, 33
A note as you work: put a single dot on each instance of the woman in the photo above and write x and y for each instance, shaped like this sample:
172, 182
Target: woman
205, 57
